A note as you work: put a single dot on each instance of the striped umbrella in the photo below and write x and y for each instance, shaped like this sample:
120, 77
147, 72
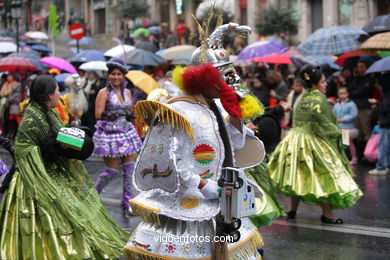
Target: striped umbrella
380, 41
332, 40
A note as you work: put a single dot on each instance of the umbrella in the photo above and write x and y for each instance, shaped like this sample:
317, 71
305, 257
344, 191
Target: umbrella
147, 46
27, 54
378, 24
178, 51
277, 58
142, 80
301, 60
119, 50
379, 66
41, 48
384, 54
37, 35
58, 63
354, 55
144, 58
160, 52
260, 49
83, 41
6, 47
183, 60
155, 29
380, 41
278, 39
332, 40
290, 53
327, 60
13, 64
94, 65
7, 39
89, 55
39, 65
62, 77
141, 31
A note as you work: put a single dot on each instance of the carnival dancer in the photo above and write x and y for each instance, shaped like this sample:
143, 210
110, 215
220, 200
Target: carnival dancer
185, 149
51, 209
116, 139
309, 164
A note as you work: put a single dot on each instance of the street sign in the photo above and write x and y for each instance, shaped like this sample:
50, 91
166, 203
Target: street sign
76, 31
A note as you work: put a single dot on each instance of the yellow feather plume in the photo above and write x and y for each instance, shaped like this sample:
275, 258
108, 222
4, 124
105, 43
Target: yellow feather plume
251, 107
177, 76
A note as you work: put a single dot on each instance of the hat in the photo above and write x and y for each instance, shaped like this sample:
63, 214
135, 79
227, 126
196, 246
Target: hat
115, 63
332, 100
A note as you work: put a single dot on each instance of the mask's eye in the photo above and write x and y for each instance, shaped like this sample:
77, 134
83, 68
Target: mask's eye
230, 79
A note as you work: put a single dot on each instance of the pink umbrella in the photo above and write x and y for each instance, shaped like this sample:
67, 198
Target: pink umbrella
58, 63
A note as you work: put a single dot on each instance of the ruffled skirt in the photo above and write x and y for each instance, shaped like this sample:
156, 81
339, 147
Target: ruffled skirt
56, 213
309, 167
116, 138
267, 206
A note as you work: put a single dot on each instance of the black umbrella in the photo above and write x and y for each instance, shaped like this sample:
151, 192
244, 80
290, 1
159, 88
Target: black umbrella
378, 24
147, 46
143, 58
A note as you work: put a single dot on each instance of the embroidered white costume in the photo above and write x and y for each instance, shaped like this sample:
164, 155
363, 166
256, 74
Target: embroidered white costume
170, 166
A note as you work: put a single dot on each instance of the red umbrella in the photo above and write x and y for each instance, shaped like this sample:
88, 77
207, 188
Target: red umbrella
290, 53
354, 54
13, 64
278, 58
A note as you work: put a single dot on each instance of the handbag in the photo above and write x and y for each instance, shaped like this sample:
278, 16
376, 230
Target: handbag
372, 147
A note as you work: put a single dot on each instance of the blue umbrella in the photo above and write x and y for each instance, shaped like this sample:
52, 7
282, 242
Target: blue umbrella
83, 41
41, 48
332, 40
155, 29
327, 60
61, 78
379, 66
34, 55
39, 65
89, 55
143, 58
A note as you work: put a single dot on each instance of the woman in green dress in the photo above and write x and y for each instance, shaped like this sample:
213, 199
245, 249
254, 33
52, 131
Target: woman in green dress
309, 164
51, 209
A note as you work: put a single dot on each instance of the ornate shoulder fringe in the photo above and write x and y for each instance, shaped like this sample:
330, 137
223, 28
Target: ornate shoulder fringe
145, 213
146, 110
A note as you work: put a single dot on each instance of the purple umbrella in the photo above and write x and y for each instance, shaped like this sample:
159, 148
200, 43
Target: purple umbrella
260, 49
58, 63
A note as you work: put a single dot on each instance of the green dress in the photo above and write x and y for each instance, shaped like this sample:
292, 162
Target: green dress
267, 206
52, 210
310, 162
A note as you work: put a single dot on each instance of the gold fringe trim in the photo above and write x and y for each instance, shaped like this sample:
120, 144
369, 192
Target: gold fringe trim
135, 254
246, 248
243, 250
145, 111
147, 214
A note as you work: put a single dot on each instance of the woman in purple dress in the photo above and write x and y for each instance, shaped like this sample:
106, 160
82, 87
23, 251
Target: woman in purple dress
116, 139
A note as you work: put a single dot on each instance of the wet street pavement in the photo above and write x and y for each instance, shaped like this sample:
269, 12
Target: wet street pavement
365, 234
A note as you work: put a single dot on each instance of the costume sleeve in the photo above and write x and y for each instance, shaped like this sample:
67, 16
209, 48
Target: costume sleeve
237, 137
181, 156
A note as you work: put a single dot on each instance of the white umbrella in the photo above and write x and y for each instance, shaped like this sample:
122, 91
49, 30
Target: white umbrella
6, 47
37, 35
119, 50
94, 65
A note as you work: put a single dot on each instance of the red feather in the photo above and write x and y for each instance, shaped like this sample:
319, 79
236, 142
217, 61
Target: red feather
200, 77
229, 100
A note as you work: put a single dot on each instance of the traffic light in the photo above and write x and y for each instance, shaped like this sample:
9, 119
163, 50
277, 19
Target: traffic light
53, 20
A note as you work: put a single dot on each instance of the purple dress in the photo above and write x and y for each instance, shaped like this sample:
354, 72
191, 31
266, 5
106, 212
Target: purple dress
3, 168
115, 136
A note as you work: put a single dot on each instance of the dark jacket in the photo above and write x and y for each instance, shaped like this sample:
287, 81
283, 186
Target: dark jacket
384, 111
360, 90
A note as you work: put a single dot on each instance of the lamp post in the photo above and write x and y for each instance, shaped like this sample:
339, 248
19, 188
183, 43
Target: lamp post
16, 12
